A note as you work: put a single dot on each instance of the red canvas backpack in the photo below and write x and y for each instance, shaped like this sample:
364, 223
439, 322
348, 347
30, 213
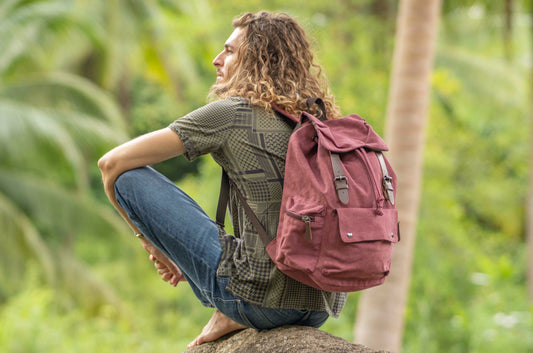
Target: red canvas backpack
337, 220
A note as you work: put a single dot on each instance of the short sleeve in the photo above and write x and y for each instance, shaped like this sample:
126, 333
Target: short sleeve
206, 129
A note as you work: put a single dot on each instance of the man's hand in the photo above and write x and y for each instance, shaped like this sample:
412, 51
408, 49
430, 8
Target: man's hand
165, 267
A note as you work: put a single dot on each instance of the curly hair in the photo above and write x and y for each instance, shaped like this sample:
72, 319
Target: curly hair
275, 65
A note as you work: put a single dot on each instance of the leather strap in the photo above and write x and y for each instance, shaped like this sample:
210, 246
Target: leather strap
223, 199
223, 204
387, 180
341, 183
321, 105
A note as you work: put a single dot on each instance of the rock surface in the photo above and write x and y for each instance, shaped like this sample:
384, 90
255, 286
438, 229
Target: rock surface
286, 339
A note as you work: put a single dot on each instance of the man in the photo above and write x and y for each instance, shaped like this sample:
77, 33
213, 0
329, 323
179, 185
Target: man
266, 60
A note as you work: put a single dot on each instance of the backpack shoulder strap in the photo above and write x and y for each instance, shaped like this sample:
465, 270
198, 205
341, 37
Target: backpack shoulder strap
310, 102
223, 200
318, 101
387, 180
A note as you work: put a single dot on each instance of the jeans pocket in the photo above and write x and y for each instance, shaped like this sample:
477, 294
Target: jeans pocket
314, 319
266, 318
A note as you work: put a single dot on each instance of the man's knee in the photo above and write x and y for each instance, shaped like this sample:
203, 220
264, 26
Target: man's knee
130, 179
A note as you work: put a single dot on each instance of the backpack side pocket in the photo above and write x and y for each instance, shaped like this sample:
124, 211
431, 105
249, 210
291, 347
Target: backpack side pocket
297, 244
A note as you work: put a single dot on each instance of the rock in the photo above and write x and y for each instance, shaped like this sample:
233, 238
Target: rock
285, 339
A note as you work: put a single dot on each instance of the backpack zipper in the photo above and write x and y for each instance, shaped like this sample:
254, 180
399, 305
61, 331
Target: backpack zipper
307, 220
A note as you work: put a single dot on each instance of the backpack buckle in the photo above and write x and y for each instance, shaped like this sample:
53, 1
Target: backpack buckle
339, 179
387, 187
341, 185
341, 182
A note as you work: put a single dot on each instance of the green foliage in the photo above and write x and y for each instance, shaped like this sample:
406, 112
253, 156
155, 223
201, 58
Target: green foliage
31, 321
78, 77
468, 292
154, 108
54, 126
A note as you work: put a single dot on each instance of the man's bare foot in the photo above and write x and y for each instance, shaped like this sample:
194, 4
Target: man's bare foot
218, 326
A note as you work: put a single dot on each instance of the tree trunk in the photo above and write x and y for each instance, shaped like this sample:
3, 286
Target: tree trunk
380, 316
529, 215
508, 29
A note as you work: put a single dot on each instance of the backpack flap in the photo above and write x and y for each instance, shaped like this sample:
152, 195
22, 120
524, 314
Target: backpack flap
364, 225
345, 134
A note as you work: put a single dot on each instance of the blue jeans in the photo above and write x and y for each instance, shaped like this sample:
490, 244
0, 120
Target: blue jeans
175, 224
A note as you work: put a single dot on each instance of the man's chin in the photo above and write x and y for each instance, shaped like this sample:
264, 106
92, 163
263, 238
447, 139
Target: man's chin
218, 87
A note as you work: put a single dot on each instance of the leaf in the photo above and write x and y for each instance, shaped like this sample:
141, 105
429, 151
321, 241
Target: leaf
58, 213
36, 131
20, 241
484, 77
60, 89
20, 28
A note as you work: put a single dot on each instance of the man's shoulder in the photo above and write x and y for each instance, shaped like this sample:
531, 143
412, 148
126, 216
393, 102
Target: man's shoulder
238, 107
223, 109
229, 102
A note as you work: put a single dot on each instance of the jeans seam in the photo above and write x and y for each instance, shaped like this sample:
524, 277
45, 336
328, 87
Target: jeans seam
314, 322
261, 314
243, 315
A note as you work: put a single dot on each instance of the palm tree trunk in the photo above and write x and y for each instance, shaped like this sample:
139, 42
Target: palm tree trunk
508, 29
380, 316
529, 216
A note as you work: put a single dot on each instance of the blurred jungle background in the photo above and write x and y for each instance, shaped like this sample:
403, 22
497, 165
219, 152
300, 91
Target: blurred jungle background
78, 77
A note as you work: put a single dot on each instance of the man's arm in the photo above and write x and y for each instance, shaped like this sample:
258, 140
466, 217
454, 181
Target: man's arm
147, 149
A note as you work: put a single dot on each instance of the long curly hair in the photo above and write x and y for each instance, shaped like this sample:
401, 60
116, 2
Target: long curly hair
275, 65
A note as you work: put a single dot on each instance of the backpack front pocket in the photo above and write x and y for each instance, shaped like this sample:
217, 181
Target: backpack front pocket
364, 225
362, 247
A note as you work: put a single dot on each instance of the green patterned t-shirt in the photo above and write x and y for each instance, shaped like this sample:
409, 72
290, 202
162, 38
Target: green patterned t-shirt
251, 144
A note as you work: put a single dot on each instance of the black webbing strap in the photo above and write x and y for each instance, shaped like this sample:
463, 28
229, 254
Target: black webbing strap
223, 199
223, 204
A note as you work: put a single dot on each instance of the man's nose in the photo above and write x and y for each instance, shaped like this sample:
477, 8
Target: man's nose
219, 60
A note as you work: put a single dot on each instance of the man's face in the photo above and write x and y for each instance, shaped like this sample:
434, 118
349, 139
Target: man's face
225, 61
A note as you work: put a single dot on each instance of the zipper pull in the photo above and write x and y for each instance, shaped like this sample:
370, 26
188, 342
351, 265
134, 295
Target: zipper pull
308, 234
379, 206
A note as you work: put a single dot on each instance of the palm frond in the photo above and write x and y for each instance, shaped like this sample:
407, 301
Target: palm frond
20, 241
39, 138
88, 132
59, 214
485, 77
68, 91
14, 44
84, 285
6, 6
20, 27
